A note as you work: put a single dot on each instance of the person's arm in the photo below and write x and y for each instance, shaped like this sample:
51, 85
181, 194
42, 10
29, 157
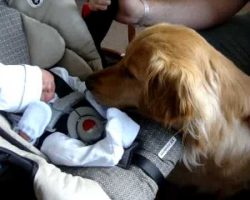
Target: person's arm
197, 14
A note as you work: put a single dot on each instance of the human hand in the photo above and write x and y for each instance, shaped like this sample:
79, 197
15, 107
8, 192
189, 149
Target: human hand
96, 5
130, 11
48, 91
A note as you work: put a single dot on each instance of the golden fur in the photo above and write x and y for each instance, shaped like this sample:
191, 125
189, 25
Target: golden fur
171, 74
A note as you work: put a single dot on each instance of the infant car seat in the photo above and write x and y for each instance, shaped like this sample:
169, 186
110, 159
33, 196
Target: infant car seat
48, 33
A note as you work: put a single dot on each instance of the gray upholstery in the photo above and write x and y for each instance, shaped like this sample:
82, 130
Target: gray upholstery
133, 183
13, 44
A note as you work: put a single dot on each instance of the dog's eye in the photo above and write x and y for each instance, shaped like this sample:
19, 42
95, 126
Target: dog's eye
129, 74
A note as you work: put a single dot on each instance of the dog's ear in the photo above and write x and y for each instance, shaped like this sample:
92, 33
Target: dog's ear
169, 90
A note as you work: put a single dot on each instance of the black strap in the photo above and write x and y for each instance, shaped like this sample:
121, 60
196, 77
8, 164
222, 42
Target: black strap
150, 169
127, 157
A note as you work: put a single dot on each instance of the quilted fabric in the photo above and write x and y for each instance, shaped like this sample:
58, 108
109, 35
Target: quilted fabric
13, 44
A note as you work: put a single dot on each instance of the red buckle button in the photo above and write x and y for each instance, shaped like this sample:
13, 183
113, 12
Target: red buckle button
88, 124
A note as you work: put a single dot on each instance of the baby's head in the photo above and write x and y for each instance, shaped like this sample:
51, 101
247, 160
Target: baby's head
22, 84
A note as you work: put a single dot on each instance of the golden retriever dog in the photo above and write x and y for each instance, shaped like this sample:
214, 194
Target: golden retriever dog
172, 75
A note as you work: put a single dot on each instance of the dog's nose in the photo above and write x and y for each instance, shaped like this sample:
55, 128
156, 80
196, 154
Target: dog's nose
89, 83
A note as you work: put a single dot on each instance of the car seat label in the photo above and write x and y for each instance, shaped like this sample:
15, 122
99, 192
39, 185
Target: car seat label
167, 147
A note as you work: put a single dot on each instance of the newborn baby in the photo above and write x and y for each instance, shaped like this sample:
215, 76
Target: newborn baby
35, 93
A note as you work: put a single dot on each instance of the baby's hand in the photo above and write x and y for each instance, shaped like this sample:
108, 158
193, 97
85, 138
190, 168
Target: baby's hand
48, 92
96, 5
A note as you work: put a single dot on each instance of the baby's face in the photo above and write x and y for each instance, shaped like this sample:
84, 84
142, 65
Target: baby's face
48, 92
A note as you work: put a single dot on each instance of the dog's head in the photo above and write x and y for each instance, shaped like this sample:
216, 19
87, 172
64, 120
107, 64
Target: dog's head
161, 74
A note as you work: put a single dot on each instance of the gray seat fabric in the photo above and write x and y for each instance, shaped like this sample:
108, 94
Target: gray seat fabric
133, 183
13, 44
